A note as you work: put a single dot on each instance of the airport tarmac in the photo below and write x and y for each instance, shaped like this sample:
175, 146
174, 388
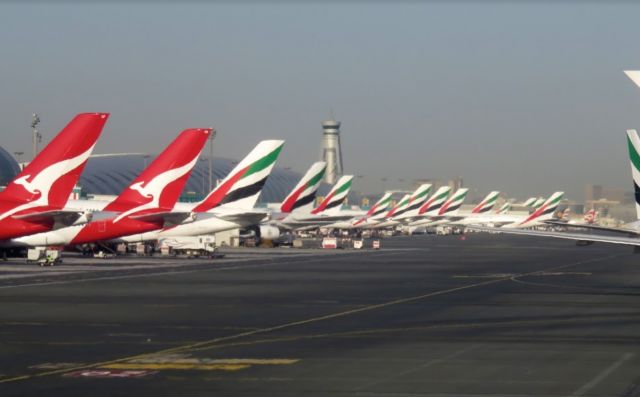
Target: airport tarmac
491, 315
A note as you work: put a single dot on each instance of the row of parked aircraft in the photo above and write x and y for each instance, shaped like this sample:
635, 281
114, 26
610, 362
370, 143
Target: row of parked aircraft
35, 210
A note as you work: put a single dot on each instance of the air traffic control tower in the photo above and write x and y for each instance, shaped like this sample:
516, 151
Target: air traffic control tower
331, 152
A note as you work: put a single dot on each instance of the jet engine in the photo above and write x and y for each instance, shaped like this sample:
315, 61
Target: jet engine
269, 232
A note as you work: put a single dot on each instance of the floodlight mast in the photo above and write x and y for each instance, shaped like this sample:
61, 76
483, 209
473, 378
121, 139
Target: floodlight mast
36, 136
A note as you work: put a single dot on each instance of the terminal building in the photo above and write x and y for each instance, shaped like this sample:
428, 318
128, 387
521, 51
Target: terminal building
9, 167
109, 175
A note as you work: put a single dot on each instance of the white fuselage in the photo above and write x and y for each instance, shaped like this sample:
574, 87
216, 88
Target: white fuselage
204, 223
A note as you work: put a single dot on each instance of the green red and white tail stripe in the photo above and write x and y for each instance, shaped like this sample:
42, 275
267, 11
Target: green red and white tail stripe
453, 204
528, 202
487, 204
545, 211
536, 204
415, 201
435, 202
241, 188
304, 193
380, 206
633, 142
505, 208
400, 205
336, 196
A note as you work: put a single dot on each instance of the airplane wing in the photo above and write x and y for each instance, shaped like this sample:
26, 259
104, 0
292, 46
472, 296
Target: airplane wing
622, 230
596, 238
169, 218
244, 217
60, 217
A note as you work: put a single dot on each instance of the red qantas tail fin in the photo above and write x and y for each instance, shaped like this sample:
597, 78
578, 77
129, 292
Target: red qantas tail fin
48, 180
160, 184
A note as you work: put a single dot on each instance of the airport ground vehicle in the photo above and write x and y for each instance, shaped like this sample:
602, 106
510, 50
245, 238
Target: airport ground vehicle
190, 246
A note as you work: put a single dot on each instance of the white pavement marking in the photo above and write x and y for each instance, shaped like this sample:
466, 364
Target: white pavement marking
427, 364
602, 375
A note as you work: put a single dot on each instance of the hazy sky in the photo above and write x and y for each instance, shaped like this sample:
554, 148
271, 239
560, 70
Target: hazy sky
525, 98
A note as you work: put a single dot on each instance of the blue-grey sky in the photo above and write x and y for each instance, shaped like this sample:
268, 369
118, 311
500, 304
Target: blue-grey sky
525, 98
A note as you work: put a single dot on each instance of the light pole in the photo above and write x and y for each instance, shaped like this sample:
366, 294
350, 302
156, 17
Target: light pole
204, 192
36, 137
211, 137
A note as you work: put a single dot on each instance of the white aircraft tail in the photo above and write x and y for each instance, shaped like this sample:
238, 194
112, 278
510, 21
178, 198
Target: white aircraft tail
332, 204
435, 202
241, 188
487, 204
545, 211
415, 201
454, 203
303, 194
633, 142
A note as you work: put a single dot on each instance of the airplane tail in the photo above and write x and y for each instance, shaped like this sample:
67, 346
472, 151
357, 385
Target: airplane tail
160, 184
453, 204
536, 204
241, 188
380, 206
49, 179
435, 202
633, 142
528, 202
415, 200
487, 204
333, 202
400, 204
504, 209
566, 214
634, 75
304, 193
590, 216
546, 210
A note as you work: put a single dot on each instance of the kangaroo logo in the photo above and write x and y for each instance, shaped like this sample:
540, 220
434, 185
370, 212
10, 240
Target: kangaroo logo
42, 182
153, 189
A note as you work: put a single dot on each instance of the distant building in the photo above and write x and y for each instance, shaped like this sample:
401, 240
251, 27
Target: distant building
9, 168
592, 192
456, 183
